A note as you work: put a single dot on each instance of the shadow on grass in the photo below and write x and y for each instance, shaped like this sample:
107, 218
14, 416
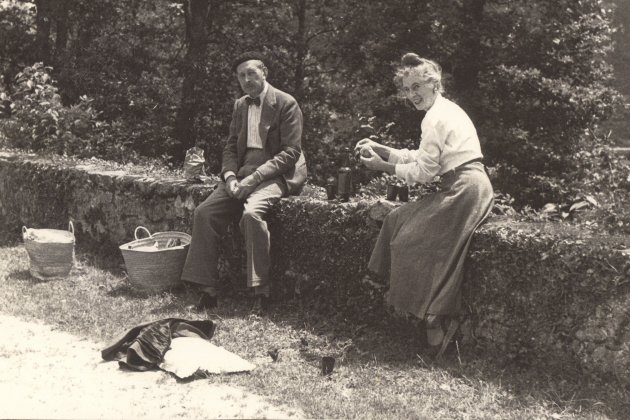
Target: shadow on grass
25, 276
400, 344
125, 290
105, 261
10, 239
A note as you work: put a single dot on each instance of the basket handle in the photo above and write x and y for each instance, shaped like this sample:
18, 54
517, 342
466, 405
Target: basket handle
135, 232
71, 227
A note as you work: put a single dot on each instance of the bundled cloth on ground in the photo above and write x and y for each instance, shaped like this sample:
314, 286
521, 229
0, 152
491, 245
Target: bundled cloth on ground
176, 345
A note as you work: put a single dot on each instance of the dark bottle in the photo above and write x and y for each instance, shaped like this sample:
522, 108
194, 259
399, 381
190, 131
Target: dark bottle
344, 177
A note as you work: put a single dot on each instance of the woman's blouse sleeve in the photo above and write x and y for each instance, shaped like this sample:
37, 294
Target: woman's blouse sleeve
420, 165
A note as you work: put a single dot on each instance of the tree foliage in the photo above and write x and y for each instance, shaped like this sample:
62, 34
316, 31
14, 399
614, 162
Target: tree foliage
533, 75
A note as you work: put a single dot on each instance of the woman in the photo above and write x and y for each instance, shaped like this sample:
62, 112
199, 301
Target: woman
422, 245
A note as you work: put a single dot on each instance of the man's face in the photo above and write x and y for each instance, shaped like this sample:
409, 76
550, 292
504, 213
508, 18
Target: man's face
251, 77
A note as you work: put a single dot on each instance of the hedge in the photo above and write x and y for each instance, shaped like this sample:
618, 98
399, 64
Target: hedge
534, 291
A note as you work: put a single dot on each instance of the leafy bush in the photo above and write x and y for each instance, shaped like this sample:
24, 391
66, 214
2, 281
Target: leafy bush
539, 123
40, 122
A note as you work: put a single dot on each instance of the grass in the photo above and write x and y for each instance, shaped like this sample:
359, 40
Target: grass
378, 372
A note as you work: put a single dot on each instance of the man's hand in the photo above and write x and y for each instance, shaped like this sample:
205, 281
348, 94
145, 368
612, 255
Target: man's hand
231, 186
246, 187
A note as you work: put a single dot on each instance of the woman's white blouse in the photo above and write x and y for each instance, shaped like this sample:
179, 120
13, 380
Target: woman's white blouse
448, 139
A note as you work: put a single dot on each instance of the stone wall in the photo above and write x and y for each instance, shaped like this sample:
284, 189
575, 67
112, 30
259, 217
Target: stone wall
534, 291
105, 205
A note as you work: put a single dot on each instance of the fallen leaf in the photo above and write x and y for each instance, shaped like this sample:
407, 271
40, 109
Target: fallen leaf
578, 206
591, 200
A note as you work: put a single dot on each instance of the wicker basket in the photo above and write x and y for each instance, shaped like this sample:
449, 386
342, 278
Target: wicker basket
50, 251
151, 265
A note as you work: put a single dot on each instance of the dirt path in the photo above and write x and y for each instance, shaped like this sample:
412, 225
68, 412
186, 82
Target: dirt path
50, 374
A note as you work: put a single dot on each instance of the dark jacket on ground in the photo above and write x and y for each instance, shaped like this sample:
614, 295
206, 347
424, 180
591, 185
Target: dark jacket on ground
143, 347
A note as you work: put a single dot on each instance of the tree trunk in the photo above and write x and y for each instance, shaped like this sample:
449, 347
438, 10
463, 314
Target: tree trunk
301, 49
61, 29
196, 13
467, 71
43, 21
60, 58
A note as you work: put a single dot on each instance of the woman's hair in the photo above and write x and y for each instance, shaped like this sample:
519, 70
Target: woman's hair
428, 70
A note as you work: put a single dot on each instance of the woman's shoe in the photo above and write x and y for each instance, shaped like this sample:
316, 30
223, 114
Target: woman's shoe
453, 325
440, 332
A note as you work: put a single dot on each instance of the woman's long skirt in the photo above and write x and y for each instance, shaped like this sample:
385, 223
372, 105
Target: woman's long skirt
423, 245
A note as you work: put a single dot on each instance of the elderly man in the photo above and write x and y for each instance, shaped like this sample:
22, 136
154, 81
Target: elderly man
262, 162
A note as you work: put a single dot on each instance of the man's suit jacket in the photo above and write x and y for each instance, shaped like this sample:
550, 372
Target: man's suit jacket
281, 134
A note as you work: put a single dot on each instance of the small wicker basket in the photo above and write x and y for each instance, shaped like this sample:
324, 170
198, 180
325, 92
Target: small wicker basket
155, 263
50, 251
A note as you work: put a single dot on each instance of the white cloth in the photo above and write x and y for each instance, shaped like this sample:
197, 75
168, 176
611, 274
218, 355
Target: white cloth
449, 139
253, 122
188, 355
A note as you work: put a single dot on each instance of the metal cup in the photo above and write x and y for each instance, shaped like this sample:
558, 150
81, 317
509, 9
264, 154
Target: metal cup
403, 193
392, 191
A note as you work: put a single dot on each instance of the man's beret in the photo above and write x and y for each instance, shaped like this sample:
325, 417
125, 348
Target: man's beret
246, 56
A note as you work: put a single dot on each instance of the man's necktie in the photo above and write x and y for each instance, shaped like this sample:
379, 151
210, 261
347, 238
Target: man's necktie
253, 101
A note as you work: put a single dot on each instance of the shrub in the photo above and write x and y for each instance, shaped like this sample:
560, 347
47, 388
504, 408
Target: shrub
40, 122
36, 111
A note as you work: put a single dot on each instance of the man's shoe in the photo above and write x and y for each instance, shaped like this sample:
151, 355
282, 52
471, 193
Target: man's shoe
261, 304
206, 302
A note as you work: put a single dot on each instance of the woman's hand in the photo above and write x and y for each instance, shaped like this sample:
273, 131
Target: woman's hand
367, 143
370, 159
373, 161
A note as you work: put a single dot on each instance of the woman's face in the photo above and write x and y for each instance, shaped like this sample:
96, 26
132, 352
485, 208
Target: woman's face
420, 92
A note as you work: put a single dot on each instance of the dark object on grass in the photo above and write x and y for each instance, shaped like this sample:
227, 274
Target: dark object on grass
327, 364
273, 353
206, 302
